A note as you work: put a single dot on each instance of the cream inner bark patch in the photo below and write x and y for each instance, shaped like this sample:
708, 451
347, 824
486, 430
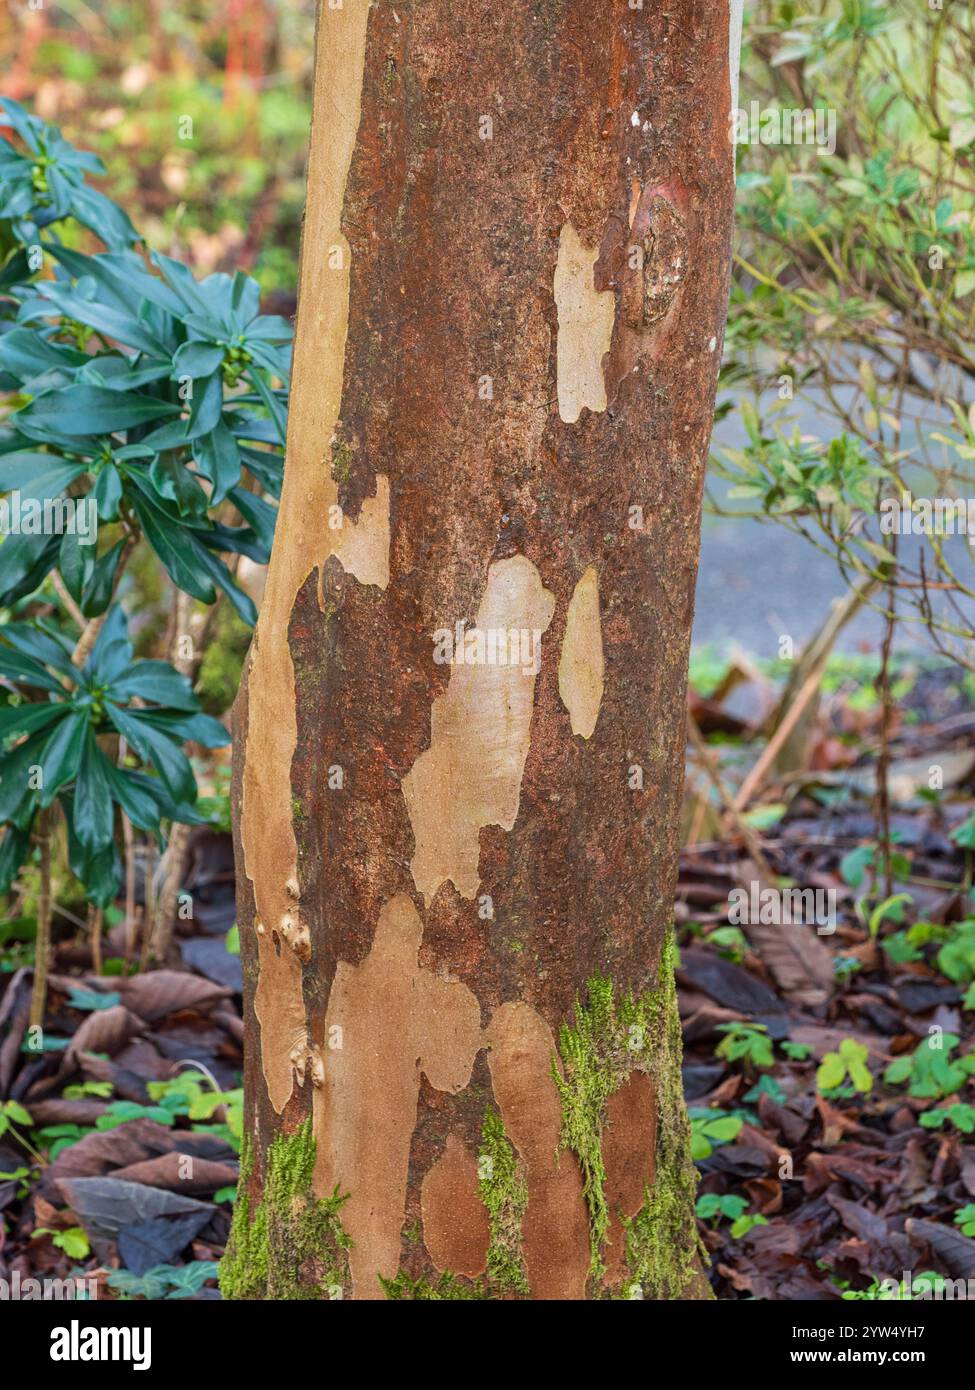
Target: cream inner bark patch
581, 662
388, 1020
480, 730
362, 547
585, 328
305, 540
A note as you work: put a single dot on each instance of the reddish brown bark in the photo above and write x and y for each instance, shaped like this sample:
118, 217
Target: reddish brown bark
578, 259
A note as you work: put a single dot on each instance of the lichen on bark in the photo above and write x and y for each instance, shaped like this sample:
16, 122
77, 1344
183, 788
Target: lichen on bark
612, 1038
291, 1245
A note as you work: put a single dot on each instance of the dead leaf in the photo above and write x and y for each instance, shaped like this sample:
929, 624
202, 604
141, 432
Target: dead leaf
104, 1030
796, 956
180, 1172
955, 1251
726, 983
59, 1111
161, 992
105, 1205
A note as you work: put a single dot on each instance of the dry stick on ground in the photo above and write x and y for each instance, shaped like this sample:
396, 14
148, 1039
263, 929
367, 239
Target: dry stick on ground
706, 759
818, 651
756, 777
38, 1001
700, 811
841, 611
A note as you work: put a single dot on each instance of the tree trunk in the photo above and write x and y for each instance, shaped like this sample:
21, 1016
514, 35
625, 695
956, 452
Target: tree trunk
460, 743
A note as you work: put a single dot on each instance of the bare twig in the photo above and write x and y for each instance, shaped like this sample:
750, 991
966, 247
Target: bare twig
38, 1000
95, 938
93, 627
749, 836
172, 866
128, 841
62, 592
756, 776
149, 917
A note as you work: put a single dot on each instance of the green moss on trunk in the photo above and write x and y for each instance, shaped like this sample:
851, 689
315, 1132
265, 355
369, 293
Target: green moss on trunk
611, 1039
504, 1193
292, 1245
663, 1248
447, 1288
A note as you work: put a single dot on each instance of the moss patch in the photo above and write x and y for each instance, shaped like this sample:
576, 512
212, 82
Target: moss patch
447, 1288
504, 1193
663, 1247
292, 1245
612, 1038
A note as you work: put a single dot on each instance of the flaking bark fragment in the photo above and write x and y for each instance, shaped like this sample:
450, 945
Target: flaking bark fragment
585, 328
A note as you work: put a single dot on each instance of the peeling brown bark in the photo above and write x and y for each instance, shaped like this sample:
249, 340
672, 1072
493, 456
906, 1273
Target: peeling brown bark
506, 358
